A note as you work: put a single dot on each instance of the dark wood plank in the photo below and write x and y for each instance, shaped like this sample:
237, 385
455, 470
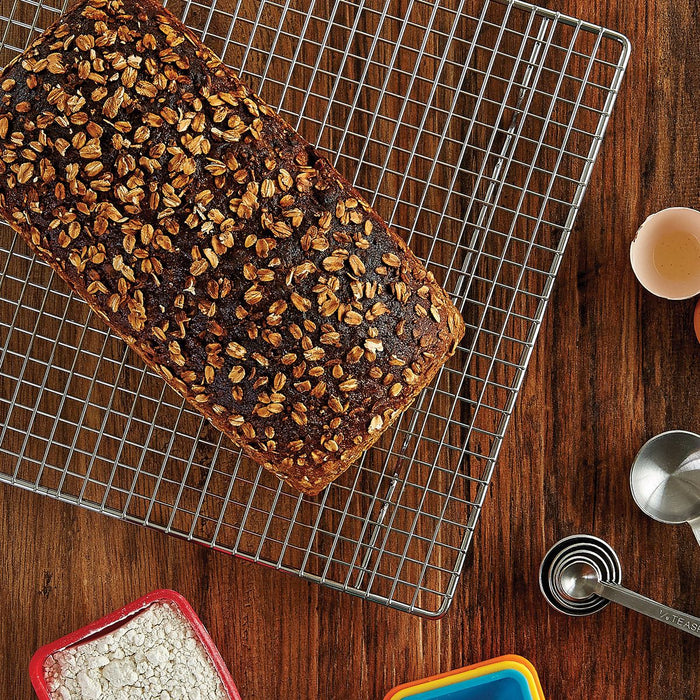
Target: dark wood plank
612, 367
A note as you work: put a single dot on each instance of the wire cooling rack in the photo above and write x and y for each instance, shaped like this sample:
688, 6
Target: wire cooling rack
473, 128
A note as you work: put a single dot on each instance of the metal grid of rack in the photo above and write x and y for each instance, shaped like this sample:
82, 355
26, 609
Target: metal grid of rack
472, 127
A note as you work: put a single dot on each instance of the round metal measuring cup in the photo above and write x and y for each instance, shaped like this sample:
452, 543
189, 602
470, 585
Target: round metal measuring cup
574, 550
581, 574
665, 478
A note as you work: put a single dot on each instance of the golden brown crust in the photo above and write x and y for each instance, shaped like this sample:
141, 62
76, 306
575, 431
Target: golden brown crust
211, 237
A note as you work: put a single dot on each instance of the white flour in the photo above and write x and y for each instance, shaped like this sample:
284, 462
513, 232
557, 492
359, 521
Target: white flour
154, 656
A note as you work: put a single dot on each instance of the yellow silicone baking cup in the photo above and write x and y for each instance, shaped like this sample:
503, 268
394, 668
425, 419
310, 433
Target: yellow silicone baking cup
492, 667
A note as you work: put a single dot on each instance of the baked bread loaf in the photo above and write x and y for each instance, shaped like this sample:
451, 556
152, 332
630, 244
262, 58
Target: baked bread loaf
215, 241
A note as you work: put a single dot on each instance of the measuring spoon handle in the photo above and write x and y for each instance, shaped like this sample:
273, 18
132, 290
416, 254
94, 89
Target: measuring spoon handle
695, 524
649, 607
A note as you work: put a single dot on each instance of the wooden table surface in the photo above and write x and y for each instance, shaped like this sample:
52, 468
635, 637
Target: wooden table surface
613, 366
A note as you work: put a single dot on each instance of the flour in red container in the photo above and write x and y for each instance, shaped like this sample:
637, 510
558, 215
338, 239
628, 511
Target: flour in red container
155, 655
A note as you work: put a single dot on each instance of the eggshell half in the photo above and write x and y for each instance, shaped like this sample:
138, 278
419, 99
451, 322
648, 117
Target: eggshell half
659, 232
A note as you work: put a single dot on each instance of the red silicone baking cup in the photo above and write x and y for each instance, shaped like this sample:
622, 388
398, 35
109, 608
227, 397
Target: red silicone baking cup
115, 620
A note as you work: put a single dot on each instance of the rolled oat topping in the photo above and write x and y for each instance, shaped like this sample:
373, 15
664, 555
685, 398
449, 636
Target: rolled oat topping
220, 245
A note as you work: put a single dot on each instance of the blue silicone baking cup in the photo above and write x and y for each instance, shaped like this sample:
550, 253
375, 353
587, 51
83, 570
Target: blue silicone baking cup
505, 678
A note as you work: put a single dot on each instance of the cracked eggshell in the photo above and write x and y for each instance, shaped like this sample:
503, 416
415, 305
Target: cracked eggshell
665, 253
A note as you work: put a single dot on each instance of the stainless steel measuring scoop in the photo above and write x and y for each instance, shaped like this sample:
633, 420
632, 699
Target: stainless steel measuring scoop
581, 574
665, 479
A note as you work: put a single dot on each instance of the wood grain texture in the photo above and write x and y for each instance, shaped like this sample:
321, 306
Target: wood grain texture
612, 367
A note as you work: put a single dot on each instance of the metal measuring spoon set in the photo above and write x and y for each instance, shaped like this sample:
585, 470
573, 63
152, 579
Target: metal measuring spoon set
581, 574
